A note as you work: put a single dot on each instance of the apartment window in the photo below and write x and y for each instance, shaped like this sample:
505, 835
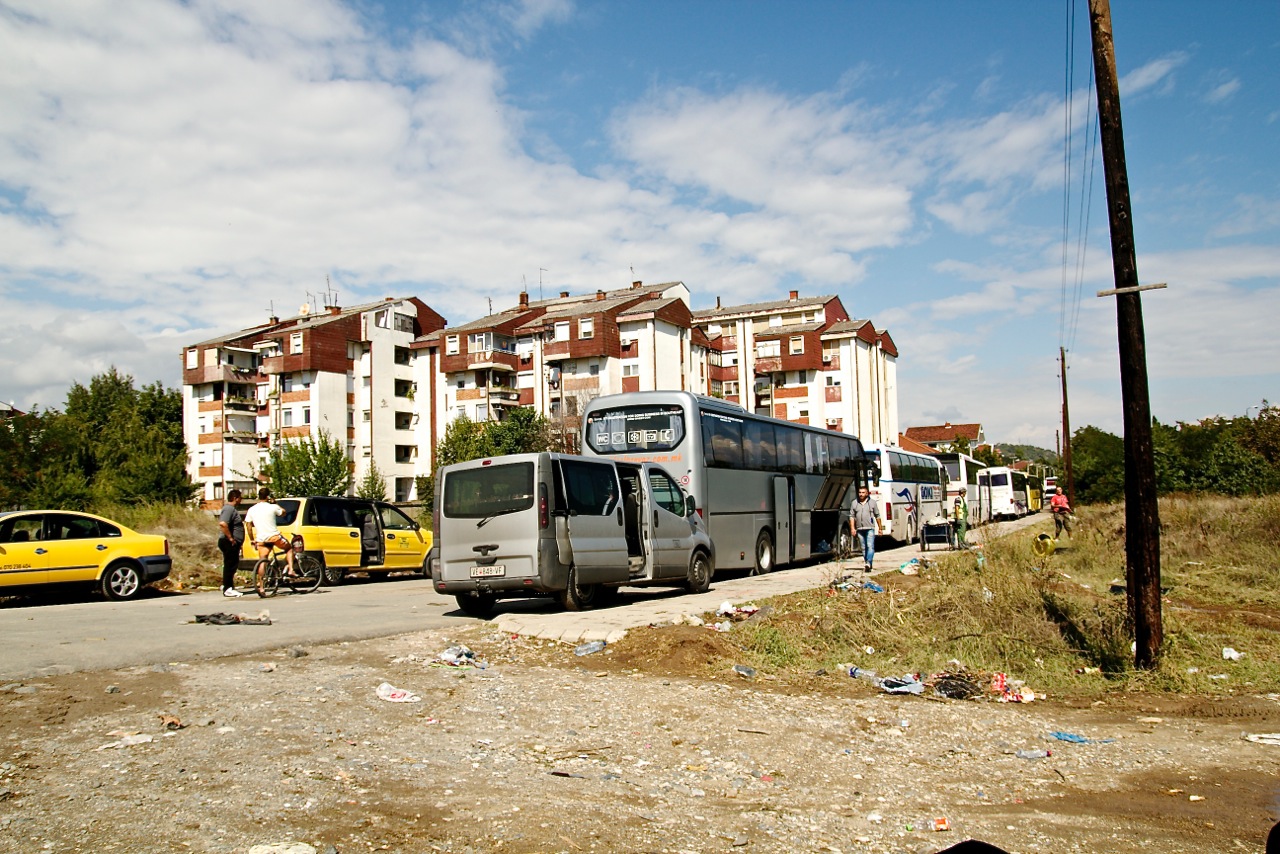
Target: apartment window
365, 416
295, 343
631, 370
562, 331
202, 460
451, 345
462, 382
404, 323
287, 418
193, 358
204, 425
731, 359
476, 342
586, 328
731, 387
594, 369
482, 412
382, 319
797, 345
570, 367
768, 349
776, 320
306, 415
802, 412
833, 381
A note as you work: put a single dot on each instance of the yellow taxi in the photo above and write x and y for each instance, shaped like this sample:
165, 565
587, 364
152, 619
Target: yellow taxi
350, 535
46, 547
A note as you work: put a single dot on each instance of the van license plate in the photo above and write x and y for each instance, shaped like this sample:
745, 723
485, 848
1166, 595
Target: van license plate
488, 571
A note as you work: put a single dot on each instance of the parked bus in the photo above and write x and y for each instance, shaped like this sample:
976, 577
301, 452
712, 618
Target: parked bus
770, 492
909, 490
962, 470
1005, 492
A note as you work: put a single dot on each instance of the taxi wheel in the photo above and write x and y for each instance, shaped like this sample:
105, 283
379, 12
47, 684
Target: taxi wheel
121, 581
332, 575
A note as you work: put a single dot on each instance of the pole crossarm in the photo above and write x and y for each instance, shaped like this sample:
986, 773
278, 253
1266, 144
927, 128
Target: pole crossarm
1157, 287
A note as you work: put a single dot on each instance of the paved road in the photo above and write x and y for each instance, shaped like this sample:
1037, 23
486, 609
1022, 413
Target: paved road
44, 639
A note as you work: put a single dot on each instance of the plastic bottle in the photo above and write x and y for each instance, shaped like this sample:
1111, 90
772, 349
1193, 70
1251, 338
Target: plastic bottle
863, 673
1033, 754
589, 648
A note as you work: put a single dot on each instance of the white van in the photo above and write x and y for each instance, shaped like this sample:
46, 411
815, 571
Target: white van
569, 526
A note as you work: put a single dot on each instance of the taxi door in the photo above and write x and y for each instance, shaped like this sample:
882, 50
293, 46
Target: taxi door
24, 556
330, 526
77, 547
404, 547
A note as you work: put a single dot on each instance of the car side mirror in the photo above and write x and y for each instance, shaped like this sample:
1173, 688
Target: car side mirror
690, 506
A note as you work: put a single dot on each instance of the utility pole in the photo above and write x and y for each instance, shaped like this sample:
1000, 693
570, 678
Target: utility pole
1066, 433
1142, 513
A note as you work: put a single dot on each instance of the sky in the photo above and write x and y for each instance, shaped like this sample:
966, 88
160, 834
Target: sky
174, 171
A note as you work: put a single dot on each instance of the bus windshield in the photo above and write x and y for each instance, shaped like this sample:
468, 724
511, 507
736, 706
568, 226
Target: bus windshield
628, 429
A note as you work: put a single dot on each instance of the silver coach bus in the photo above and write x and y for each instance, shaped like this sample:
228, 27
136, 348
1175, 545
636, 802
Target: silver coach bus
770, 492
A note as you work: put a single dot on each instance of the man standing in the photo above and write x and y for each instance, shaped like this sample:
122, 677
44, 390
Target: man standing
1061, 513
961, 518
865, 520
230, 541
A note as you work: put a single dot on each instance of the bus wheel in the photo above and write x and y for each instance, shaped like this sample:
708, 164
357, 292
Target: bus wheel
699, 578
575, 596
764, 553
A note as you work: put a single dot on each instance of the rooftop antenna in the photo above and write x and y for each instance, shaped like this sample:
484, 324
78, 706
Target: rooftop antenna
490, 305
541, 270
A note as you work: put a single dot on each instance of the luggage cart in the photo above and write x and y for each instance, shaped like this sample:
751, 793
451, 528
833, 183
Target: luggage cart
935, 532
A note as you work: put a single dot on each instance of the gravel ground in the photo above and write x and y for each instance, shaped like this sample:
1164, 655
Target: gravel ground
623, 750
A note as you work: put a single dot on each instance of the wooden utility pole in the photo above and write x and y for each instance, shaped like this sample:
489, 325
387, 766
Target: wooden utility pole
1066, 433
1142, 514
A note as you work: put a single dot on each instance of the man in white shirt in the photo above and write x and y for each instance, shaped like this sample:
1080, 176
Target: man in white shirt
260, 523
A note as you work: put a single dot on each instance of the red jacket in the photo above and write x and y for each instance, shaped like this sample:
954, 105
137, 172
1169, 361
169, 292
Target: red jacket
1058, 504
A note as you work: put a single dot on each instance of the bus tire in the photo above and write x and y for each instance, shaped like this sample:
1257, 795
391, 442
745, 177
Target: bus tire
575, 596
764, 553
699, 578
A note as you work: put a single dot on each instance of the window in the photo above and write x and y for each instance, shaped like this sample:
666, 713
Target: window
790, 449
561, 331
586, 328
482, 412
833, 381
306, 415
382, 319
635, 428
593, 369
797, 345
287, 418
480, 492
721, 440
591, 489
365, 416
759, 446
286, 382
666, 494
393, 519
731, 387
462, 382
631, 370
295, 343
768, 349
451, 345
193, 358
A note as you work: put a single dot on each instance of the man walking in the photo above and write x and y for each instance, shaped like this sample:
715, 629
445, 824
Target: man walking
865, 521
1061, 513
230, 541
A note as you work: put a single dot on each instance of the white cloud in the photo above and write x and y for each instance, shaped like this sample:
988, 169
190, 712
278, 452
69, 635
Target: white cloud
1156, 76
1223, 91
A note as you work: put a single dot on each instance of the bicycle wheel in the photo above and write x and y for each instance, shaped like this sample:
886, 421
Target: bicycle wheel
266, 575
310, 572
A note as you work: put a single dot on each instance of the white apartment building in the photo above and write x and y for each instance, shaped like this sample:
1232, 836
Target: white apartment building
347, 373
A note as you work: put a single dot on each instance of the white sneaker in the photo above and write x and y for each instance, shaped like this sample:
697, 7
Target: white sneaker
231, 593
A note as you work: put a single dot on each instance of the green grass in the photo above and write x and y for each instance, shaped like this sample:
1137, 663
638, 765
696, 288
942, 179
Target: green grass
1042, 620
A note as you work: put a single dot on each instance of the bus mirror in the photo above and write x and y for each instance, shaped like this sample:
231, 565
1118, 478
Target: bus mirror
874, 474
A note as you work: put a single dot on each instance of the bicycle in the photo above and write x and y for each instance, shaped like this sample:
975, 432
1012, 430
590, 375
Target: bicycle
272, 571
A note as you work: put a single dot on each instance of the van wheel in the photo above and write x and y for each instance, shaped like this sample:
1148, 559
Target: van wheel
699, 580
764, 554
575, 596
480, 606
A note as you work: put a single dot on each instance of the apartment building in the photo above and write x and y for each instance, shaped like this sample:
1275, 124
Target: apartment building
804, 360
555, 355
347, 373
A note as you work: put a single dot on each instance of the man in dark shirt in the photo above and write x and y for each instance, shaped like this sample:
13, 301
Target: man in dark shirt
230, 540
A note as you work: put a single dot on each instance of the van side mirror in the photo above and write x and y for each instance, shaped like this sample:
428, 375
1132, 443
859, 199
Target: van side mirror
690, 506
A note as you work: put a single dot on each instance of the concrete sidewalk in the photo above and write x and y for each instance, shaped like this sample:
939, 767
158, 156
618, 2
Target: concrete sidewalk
541, 618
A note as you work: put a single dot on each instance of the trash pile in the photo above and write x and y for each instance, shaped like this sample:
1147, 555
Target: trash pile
459, 656
220, 619
956, 683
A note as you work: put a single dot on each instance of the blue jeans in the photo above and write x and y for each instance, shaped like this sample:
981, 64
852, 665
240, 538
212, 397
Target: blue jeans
868, 538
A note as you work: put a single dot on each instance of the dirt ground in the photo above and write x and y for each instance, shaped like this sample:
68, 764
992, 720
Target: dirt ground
635, 748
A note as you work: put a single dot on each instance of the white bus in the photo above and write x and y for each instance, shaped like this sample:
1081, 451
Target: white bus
909, 490
1005, 492
770, 492
962, 470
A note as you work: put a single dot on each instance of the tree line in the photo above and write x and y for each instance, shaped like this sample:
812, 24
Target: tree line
112, 444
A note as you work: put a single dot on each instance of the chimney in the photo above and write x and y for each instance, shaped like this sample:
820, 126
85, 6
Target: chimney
333, 309
599, 295
795, 295
273, 320
635, 285
564, 295
717, 303
524, 299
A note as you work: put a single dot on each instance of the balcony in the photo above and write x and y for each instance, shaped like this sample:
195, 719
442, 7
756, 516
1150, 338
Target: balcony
241, 404
241, 436
220, 373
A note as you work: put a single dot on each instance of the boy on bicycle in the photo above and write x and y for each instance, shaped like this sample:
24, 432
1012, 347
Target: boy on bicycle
260, 523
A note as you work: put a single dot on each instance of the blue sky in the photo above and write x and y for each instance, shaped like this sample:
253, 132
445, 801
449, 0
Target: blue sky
173, 171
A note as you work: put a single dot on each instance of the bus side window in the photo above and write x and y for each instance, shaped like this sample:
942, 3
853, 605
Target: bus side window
790, 449
726, 443
815, 448
758, 446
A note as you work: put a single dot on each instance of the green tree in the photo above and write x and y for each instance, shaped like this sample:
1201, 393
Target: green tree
1098, 462
523, 431
39, 454
373, 486
988, 455
961, 446
312, 466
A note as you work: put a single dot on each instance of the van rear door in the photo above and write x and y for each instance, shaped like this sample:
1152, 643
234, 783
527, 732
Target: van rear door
489, 521
593, 500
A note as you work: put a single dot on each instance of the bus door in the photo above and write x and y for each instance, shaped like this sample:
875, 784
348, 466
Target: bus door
784, 517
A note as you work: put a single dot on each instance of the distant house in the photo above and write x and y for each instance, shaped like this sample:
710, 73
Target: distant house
8, 410
943, 436
906, 443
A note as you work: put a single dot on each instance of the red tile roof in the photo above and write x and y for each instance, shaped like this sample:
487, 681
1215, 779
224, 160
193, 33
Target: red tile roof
945, 432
